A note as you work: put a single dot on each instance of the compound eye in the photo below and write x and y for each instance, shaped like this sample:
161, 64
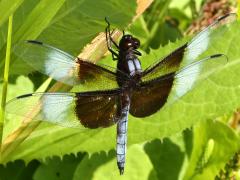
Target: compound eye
127, 37
126, 42
136, 43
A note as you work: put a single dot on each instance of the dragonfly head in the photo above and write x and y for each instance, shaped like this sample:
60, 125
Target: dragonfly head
129, 42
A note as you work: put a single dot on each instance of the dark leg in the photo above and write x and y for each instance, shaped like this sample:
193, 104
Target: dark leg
114, 54
110, 33
110, 40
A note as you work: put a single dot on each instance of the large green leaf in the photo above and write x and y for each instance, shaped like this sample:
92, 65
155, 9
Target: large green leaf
78, 22
66, 24
30, 26
19, 17
7, 7
213, 96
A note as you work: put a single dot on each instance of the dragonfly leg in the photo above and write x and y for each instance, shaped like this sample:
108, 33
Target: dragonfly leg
110, 41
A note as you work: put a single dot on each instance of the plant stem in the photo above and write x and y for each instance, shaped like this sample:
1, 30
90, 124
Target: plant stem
6, 72
144, 25
193, 9
158, 20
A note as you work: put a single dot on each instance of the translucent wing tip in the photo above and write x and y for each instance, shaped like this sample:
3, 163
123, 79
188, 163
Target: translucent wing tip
231, 15
227, 18
224, 56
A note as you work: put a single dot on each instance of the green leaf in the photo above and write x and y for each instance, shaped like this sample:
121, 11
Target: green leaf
7, 7
166, 157
22, 86
78, 22
89, 165
31, 27
21, 171
102, 166
55, 168
19, 18
214, 145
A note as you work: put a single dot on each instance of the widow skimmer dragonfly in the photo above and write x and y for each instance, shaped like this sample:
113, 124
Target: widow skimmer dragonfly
113, 93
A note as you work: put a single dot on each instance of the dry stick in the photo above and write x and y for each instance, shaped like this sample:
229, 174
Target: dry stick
95, 50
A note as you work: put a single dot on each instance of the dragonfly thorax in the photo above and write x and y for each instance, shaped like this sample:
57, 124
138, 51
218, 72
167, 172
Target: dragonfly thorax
128, 61
130, 65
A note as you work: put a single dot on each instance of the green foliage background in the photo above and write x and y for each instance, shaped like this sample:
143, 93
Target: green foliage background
188, 139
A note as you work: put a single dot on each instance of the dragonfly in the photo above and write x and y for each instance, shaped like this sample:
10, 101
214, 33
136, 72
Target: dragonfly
113, 93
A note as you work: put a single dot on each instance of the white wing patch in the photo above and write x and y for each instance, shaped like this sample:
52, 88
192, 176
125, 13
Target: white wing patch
55, 108
197, 46
186, 79
59, 69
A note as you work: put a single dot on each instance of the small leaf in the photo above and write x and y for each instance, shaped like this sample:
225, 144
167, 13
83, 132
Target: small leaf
207, 159
166, 158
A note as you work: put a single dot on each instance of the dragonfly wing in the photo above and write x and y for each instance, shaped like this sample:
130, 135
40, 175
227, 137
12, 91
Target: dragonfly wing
152, 95
65, 68
78, 110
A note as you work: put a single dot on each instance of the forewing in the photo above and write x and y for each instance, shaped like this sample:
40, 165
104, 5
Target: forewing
150, 96
78, 110
64, 67
191, 51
